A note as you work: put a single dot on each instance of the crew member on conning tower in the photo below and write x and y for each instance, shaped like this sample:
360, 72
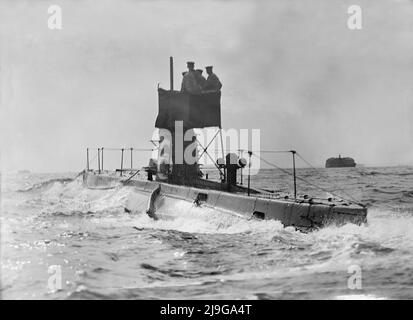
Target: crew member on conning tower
213, 83
182, 84
200, 78
190, 80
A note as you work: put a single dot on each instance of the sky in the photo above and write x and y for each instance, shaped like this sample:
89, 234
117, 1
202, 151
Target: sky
292, 69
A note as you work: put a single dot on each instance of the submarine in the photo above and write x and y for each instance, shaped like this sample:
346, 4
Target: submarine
180, 181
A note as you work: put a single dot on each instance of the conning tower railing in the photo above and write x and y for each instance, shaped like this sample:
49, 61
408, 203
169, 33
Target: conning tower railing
123, 153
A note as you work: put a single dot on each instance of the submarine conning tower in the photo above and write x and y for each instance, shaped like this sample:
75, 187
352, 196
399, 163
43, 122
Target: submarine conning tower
185, 111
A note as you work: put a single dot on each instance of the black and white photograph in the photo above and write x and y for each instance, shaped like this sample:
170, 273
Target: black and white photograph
216, 151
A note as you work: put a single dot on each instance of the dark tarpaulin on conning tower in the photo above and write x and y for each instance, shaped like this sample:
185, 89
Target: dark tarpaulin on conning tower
195, 110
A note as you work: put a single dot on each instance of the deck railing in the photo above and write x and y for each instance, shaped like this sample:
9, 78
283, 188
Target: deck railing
100, 157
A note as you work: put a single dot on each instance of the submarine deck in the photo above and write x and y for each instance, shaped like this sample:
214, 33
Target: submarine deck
304, 214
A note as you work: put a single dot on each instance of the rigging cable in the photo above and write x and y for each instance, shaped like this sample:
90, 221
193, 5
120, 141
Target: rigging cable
304, 180
327, 180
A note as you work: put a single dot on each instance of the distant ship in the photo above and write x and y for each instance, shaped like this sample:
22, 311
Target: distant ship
340, 162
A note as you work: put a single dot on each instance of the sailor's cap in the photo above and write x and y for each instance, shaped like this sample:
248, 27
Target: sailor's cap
208, 67
190, 63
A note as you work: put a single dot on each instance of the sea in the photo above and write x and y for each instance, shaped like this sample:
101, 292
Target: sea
61, 240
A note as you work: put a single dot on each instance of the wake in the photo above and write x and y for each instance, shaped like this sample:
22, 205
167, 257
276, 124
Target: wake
68, 196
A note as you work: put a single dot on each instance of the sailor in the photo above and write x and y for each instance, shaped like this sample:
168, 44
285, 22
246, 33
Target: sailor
189, 81
182, 84
213, 83
200, 78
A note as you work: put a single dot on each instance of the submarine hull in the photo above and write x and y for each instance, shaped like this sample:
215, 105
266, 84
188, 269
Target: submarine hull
301, 214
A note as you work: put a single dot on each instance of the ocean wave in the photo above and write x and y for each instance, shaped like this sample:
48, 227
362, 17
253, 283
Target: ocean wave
184, 216
196, 252
370, 173
69, 197
45, 184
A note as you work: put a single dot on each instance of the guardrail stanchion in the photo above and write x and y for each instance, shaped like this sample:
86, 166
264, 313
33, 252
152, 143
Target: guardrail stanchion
99, 160
87, 159
121, 163
294, 174
102, 157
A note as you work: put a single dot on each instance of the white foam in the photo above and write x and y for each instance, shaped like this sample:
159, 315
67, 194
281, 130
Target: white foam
186, 217
360, 297
174, 214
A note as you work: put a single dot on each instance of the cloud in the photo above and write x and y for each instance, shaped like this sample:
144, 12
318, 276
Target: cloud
290, 68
